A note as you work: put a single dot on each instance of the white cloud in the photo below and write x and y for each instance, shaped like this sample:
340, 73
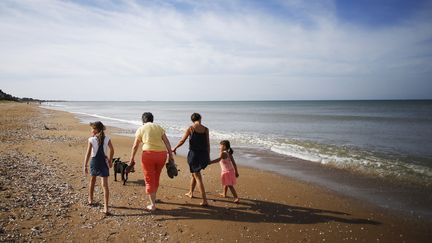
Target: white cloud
131, 48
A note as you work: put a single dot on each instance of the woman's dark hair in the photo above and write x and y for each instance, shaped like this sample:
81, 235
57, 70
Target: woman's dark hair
227, 145
99, 126
147, 117
195, 117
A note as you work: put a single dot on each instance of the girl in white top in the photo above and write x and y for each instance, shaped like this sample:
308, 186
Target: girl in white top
97, 147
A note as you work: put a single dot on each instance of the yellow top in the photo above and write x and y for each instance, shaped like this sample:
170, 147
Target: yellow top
150, 135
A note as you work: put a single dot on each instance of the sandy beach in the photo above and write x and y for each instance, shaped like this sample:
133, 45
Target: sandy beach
43, 196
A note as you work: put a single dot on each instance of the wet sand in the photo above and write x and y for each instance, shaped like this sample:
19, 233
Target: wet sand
404, 197
43, 197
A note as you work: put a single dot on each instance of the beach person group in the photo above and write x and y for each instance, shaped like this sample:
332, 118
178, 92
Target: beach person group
155, 149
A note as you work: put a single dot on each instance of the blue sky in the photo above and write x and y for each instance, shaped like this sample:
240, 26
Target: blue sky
216, 50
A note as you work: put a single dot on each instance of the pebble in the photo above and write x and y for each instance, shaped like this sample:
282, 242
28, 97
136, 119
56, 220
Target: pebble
37, 193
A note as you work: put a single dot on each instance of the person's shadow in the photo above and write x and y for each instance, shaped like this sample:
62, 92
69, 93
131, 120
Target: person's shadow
137, 182
258, 211
248, 210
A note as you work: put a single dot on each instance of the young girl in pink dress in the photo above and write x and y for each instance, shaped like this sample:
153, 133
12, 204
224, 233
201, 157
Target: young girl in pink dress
229, 171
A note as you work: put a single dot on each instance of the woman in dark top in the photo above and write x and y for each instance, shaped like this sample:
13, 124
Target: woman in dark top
199, 154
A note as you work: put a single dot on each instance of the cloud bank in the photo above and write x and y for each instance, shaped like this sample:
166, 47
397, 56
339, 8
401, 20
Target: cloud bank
209, 50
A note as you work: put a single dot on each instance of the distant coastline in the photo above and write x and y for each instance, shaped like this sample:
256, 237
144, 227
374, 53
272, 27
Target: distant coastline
7, 97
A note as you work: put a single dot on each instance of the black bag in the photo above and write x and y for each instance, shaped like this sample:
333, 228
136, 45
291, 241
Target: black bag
171, 168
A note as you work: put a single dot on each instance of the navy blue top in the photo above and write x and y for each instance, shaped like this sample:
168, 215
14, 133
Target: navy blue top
198, 156
98, 165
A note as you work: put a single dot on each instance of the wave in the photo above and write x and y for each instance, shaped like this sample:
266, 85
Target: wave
343, 157
355, 159
50, 105
133, 122
172, 130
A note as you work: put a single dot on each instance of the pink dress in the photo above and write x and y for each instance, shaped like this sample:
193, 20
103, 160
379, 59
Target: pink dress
228, 177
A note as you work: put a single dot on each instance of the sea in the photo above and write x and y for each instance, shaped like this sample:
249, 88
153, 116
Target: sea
370, 142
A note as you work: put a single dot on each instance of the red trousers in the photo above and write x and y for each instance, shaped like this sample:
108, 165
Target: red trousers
152, 163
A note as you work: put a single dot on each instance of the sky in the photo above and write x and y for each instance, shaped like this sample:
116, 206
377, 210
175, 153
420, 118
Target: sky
172, 50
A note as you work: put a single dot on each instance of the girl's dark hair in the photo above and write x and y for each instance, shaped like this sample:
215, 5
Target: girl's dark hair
227, 145
195, 117
99, 126
147, 117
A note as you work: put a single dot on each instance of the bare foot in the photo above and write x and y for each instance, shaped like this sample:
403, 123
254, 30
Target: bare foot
151, 208
105, 212
222, 195
236, 200
204, 204
189, 194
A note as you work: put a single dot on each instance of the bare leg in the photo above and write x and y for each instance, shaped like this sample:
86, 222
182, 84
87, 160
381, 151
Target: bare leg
233, 191
104, 181
225, 189
152, 198
91, 189
192, 187
198, 178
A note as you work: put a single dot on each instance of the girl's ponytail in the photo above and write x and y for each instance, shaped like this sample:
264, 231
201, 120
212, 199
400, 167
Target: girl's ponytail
100, 128
230, 151
101, 137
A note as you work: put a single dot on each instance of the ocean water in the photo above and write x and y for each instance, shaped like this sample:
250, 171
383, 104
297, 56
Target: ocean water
386, 139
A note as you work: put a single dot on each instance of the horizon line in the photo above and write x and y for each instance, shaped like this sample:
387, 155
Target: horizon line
264, 100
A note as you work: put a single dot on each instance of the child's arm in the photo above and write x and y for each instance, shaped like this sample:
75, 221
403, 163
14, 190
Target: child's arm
235, 165
86, 158
221, 156
182, 140
214, 161
111, 155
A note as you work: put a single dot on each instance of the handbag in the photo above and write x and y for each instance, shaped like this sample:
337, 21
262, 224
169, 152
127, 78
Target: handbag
171, 168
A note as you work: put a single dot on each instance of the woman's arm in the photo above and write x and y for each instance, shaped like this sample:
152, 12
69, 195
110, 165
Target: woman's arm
111, 154
208, 140
86, 158
134, 150
182, 140
234, 164
168, 146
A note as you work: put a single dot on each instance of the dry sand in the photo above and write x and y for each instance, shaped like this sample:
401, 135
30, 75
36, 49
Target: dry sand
43, 195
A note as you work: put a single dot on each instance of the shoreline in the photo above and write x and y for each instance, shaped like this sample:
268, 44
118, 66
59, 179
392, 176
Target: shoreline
391, 193
410, 199
282, 210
